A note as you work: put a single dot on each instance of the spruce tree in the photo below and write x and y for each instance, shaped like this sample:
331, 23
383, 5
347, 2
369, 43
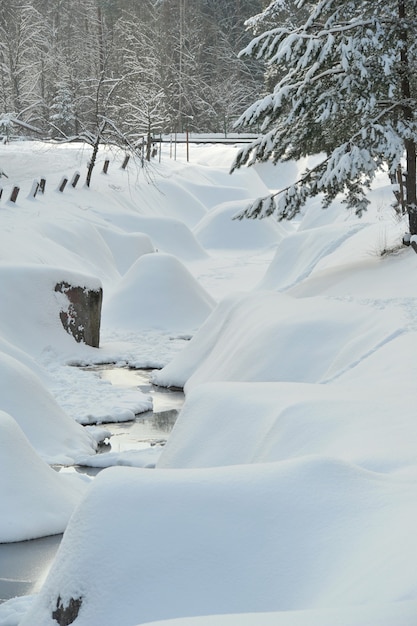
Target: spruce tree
345, 88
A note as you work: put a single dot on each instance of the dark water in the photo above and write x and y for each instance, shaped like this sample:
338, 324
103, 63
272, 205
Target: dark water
25, 564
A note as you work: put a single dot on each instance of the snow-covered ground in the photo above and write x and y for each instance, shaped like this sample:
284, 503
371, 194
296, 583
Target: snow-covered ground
287, 491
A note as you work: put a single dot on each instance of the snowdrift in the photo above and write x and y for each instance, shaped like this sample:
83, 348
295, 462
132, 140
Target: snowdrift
36, 500
299, 253
269, 336
235, 423
218, 229
398, 613
167, 234
29, 316
56, 437
286, 493
158, 292
238, 539
126, 247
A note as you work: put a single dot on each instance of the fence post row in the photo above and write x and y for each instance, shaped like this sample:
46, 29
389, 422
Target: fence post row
39, 186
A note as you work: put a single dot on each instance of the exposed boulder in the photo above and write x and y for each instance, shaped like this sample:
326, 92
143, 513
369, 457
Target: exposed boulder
82, 317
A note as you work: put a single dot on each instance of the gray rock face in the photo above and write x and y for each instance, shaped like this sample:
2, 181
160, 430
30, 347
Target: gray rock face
83, 316
65, 615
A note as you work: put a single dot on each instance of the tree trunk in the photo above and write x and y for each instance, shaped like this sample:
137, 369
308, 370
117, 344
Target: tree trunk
92, 161
410, 185
148, 146
410, 146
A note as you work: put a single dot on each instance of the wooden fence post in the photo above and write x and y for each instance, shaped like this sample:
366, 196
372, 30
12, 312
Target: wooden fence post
106, 166
63, 184
34, 189
125, 162
75, 179
14, 194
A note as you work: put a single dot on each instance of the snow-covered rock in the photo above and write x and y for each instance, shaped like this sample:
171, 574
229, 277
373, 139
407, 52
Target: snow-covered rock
315, 533
158, 291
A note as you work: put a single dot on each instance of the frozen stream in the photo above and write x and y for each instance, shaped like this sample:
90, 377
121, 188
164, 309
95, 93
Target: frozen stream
152, 427
24, 565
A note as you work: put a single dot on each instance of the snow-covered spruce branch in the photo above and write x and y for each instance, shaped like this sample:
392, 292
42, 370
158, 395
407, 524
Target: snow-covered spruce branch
267, 45
292, 199
350, 168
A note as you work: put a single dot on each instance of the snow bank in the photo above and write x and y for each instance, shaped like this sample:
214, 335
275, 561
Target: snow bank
218, 229
185, 205
8, 348
398, 613
269, 336
126, 247
167, 234
157, 292
54, 435
236, 423
29, 315
81, 244
298, 254
314, 536
314, 533
359, 270
35, 500
48, 237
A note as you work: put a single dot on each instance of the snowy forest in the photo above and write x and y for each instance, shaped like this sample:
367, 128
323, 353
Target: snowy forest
164, 65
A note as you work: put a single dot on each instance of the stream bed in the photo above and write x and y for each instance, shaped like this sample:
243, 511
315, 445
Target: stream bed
25, 564
150, 427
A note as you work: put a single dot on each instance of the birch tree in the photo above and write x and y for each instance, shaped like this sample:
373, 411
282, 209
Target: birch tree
346, 90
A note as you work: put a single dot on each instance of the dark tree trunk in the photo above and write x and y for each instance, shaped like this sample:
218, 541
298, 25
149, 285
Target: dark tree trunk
148, 146
92, 161
410, 185
410, 146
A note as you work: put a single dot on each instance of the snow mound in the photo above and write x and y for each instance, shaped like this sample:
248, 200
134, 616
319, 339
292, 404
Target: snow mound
82, 245
312, 533
158, 292
126, 247
36, 500
262, 422
29, 316
183, 203
167, 234
398, 613
55, 436
8, 348
360, 269
299, 253
269, 336
218, 229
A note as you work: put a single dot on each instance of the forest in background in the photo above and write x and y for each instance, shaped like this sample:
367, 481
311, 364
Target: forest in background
73, 68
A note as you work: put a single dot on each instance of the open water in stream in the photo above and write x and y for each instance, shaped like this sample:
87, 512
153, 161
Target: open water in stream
25, 564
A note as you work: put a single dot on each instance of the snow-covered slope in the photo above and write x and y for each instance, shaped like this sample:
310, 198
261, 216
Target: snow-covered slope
286, 492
